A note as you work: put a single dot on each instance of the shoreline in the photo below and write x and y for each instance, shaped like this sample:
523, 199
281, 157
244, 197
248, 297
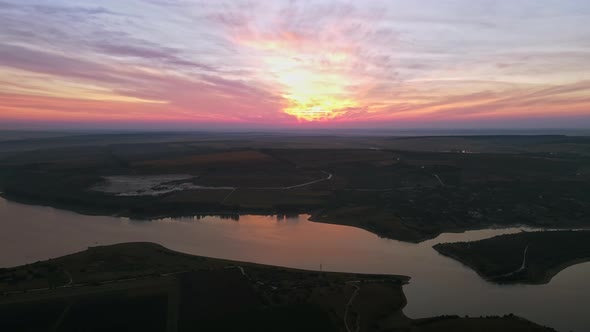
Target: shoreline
312, 212
541, 275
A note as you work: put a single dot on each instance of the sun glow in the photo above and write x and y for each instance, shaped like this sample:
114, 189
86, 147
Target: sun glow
317, 108
310, 93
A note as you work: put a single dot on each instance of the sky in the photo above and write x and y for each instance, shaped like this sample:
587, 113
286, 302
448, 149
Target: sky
295, 64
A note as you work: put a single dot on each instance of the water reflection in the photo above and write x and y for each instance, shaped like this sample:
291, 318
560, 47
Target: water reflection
229, 216
439, 285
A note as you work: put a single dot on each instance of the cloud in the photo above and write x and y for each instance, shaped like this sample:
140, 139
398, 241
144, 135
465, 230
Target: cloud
55, 64
70, 11
198, 95
250, 61
152, 52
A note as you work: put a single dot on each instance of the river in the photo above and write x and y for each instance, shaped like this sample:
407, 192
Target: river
439, 285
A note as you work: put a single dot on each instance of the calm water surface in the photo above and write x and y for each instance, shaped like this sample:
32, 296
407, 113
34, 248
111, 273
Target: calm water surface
439, 285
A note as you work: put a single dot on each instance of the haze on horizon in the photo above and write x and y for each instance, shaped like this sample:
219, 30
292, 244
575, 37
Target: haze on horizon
295, 64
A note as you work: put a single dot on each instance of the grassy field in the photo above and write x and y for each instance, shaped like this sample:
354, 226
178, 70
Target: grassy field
411, 189
143, 286
502, 258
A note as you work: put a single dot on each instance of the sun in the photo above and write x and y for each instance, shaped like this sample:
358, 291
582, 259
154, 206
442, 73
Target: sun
316, 107
314, 96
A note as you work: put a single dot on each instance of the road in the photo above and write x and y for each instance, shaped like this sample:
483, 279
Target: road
237, 267
184, 186
439, 180
379, 190
227, 196
61, 317
520, 269
69, 277
348, 305
329, 177
233, 189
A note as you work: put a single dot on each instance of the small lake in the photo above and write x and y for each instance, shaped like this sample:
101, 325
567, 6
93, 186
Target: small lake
439, 285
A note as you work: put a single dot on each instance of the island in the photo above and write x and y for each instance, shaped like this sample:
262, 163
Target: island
146, 287
526, 257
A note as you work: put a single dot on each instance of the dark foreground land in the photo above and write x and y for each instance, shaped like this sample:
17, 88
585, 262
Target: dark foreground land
406, 188
146, 287
527, 257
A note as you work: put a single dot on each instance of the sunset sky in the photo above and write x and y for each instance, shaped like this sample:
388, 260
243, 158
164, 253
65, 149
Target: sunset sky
300, 64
